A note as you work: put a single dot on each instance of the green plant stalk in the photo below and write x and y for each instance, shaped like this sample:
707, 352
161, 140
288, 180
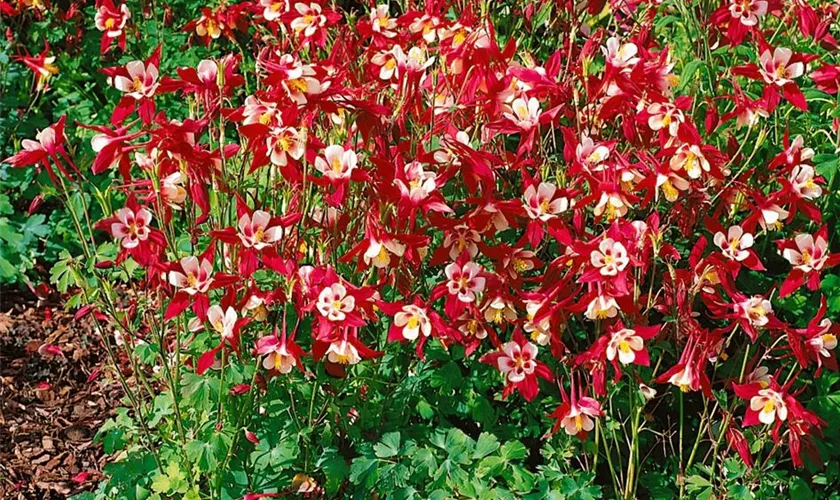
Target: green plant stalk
681, 474
613, 476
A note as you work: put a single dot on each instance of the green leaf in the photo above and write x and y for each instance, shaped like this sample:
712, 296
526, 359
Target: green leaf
424, 461
514, 450
363, 471
161, 484
202, 454
799, 489
487, 444
389, 446
425, 409
688, 72
335, 471
490, 466
5, 205
199, 390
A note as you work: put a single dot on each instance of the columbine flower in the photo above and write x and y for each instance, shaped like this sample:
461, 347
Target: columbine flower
413, 321
824, 339
735, 244
665, 116
620, 55
538, 331
223, 322
343, 353
389, 62
802, 180
808, 255
172, 189
524, 113
464, 281
591, 155
541, 204
334, 303
625, 344
499, 310
273, 9
131, 227
281, 354
517, 362
141, 80
581, 416
755, 310
418, 184
110, 21
602, 307
690, 158
379, 252
381, 22
769, 405
254, 231
748, 11
299, 81
309, 20
285, 142
337, 164
195, 278
776, 68
610, 257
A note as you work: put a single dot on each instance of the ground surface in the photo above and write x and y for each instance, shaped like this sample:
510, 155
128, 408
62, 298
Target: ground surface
51, 402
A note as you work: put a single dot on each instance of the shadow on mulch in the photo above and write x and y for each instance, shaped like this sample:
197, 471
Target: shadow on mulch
54, 396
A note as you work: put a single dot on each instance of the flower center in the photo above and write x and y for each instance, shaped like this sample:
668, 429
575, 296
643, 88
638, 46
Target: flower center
298, 85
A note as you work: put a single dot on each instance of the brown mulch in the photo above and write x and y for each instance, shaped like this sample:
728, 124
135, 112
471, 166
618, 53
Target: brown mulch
52, 402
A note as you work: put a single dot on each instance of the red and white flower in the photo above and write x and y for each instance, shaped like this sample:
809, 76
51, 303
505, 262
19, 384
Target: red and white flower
412, 321
690, 159
540, 202
464, 281
194, 276
343, 352
602, 307
334, 303
273, 9
131, 228
337, 164
776, 68
309, 20
610, 257
802, 180
285, 143
382, 22
141, 81
625, 344
620, 55
525, 114
255, 230
223, 321
755, 310
735, 244
748, 11
807, 254
768, 405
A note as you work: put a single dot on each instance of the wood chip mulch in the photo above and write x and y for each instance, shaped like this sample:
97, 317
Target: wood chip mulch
54, 396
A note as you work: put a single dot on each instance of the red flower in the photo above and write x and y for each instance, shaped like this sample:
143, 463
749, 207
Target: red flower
517, 362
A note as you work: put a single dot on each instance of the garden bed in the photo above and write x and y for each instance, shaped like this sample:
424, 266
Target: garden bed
51, 402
